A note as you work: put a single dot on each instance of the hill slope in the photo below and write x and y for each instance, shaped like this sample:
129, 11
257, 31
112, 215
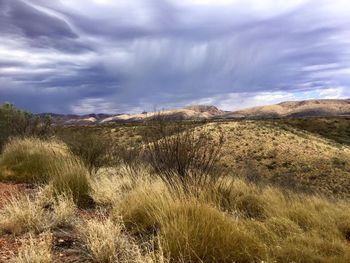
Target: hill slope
286, 156
191, 112
195, 112
273, 152
306, 108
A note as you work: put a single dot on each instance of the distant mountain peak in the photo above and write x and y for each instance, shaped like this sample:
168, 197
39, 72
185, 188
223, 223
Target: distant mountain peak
204, 108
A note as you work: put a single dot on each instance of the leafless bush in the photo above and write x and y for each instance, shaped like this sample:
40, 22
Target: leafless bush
131, 157
178, 149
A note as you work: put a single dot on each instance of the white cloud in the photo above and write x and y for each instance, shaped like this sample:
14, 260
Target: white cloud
332, 93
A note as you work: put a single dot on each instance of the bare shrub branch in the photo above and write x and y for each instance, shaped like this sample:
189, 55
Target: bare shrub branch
178, 149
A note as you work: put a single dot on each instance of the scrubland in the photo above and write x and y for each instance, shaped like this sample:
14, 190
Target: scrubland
223, 192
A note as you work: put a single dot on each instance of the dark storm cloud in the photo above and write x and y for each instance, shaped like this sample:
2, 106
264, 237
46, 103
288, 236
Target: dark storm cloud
35, 23
100, 55
40, 28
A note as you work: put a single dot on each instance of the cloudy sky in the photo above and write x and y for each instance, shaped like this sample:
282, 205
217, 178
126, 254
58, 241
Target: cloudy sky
82, 56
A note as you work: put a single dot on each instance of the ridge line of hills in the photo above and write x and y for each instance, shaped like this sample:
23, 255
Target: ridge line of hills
287, 109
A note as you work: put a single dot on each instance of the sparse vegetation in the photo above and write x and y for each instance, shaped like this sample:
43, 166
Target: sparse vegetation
37, 213
36, 250
106, 243
64, 211
334, 128
22, 214
155, 212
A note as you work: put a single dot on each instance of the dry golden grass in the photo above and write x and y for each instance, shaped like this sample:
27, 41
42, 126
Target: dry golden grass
35, 161
102, 239
64, 212
272, 152
20, 215
108, 186
229, 220
213, 224
71, 178
197, 232
106, 242
226, 220
288, 157
37, 213
36, 250
29, 160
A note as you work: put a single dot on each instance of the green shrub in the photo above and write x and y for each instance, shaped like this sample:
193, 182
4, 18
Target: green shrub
16, 122
93, 149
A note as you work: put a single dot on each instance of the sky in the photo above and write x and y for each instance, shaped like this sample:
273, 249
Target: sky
114, 56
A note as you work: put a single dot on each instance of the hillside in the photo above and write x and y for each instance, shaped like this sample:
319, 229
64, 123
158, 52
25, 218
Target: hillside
295, 109
290, 157
272, 152
279, 193
306, 108
196, 112
308, 154
333, 128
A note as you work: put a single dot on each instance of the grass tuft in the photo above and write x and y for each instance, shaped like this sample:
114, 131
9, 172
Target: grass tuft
213, 224
106, 243
35, 161
29, 160
22, 215
36, 250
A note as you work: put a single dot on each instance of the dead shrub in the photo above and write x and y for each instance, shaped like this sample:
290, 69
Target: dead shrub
177, 149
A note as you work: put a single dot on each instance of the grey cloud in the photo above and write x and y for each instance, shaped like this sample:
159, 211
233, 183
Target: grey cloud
31, 22
34, 23
41, 29
172, 55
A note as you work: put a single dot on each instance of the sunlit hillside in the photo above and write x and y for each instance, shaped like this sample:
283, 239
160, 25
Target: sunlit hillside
273, 152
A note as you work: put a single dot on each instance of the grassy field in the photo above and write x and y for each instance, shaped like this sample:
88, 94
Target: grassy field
278, 193
286, 153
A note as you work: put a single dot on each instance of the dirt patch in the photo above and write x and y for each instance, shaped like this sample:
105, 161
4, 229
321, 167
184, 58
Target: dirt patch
66, 247
9, 246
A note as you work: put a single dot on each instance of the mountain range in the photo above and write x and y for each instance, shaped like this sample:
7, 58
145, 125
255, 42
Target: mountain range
288, 109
